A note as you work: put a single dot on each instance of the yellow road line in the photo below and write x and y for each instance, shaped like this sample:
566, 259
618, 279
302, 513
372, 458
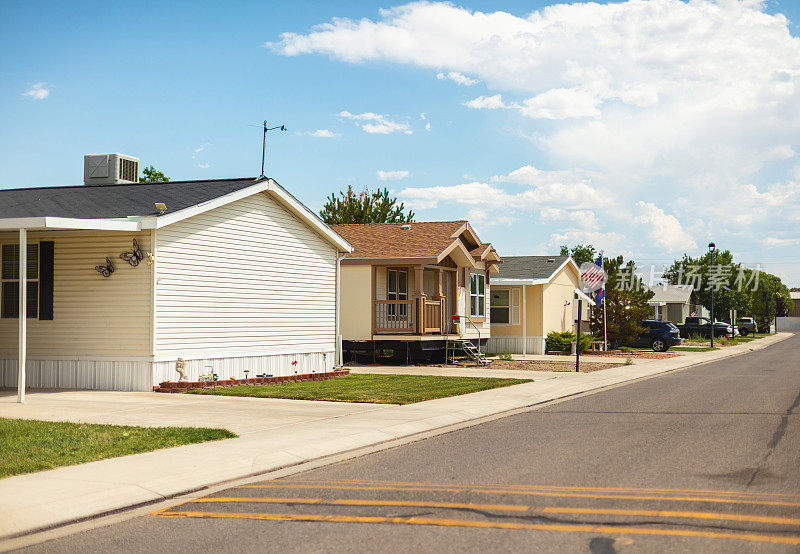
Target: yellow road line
667, 513
532, 493
550, 487
580, 528
360, 502
499, 507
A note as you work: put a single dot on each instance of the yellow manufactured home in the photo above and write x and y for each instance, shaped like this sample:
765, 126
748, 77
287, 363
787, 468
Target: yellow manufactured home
119, 281
532, 296
409, 288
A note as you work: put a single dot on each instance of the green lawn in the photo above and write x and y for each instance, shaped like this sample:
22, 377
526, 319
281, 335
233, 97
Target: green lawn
381, 389
30, 445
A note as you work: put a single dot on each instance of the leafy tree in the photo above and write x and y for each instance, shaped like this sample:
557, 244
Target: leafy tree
626, 303
580, 253
730, 280
770, 299
364, 207
151, 175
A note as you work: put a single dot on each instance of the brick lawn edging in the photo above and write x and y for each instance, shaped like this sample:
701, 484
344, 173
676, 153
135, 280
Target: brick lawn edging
183, 386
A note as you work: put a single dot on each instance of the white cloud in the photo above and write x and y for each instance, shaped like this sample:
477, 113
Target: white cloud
486, 102
603, 241
203, 166
560, 103
458, 78
480, 217
392, 175
375, 123
579, 218
771, 242
425, 119
39, 91
544, 189
664, 229
322, 133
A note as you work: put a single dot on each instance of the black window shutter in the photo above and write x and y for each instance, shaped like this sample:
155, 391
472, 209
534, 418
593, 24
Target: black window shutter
46, 253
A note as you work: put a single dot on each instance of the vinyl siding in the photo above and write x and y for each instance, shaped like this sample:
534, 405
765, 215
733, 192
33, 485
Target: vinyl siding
559, 300
356, 319
242, 279
93, 316
533, 308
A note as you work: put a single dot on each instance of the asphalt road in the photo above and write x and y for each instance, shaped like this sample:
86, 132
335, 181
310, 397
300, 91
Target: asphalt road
701, 460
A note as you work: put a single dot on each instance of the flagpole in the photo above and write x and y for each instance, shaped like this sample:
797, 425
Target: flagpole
605, 294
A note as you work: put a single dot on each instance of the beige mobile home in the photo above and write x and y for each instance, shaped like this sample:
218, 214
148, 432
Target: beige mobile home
121, 280
532, 296
413, 290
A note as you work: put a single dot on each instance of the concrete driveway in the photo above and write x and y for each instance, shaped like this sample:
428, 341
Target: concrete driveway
153, 409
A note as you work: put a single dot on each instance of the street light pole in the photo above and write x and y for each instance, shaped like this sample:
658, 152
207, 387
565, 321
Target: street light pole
712, 249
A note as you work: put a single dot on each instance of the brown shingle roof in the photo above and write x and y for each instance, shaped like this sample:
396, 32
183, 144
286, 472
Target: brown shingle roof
425, 239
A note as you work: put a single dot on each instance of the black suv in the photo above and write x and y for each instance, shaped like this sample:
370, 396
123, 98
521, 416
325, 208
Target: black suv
658, 335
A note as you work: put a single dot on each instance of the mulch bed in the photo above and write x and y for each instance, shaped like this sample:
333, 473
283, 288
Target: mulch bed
183, 386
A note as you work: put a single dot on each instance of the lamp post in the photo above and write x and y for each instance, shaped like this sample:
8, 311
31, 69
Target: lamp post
712, 249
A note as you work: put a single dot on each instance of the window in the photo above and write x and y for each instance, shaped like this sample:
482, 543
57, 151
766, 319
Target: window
397, 289
501, 306
9, 281
504, 307
477, 295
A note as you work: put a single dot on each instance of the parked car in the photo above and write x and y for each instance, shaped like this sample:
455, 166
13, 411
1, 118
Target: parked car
702, 326
658, 335
747, 325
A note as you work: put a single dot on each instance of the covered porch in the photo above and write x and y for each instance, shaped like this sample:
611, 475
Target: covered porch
414, 299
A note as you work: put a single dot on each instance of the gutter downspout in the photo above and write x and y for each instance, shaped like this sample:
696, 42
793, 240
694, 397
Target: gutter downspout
338, 362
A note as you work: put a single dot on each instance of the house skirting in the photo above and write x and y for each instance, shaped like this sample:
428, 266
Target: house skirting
513, 345
127, 375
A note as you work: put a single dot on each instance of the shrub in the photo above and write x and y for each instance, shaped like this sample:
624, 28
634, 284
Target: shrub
505, 355
563, 341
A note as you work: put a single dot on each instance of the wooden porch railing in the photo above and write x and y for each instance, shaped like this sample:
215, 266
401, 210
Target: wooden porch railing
401, 316
433, 322
394, 316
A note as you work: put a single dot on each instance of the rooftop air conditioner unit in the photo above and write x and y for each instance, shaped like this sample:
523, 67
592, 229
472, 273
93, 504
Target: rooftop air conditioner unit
110, 169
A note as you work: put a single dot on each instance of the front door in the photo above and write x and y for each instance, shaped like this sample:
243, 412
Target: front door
397, 290
447, 287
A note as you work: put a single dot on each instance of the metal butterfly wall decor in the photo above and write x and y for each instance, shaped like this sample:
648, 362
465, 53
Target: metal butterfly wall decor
105, 270
134, 257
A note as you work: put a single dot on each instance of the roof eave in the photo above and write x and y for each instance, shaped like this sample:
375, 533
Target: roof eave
71, 223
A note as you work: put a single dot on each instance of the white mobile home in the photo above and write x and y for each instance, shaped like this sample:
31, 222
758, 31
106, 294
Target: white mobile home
121, 280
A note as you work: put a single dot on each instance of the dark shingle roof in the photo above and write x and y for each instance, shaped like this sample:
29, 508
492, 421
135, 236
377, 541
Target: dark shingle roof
529, 267
114, 201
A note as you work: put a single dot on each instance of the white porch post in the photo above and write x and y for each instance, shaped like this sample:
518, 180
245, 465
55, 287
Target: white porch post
524, 325
23, 311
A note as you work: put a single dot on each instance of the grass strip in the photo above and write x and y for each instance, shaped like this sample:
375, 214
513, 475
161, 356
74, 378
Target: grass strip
375, 388
31, 445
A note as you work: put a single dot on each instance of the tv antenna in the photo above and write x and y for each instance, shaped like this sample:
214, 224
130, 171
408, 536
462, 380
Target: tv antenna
264, 143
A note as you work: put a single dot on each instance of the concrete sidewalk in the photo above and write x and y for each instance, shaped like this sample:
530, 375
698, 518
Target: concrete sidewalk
50, 498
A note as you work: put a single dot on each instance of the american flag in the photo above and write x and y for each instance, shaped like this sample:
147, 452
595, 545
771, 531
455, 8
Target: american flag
594, 275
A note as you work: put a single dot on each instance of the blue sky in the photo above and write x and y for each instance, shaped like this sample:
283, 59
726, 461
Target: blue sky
644, 128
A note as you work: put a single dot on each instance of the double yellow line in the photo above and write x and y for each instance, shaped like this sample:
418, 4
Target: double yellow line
581, 528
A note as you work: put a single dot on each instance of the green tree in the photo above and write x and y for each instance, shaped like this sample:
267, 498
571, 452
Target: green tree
151, 175
626, 303
770, 299
729, 279
580, 253
364, 207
